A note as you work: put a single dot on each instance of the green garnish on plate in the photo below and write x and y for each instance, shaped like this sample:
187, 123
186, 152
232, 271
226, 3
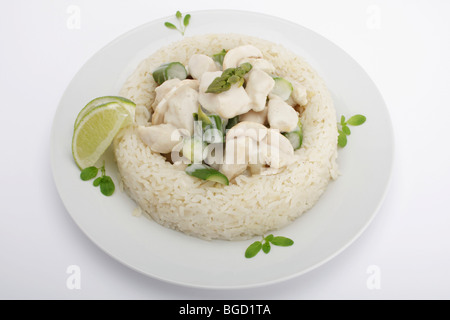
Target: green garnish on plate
183, 23
355, 120
265, 243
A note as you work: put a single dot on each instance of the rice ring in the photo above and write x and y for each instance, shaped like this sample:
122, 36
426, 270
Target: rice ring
251, 205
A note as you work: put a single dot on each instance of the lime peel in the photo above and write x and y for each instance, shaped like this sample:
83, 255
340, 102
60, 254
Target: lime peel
126, 103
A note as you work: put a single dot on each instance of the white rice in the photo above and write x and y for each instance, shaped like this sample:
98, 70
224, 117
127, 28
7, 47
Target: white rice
249, 206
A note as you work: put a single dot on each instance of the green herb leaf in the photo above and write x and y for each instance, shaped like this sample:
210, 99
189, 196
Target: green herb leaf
356, 120
186, 20
253, 249
107, 186
346, 129
183, 26
96, 182
266, 247
88, 173
256, 246
170, 25
282, 241
342, 139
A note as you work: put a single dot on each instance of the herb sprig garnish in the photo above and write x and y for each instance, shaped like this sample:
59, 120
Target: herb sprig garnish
182, 22
105, 182
344, 130
264, 245
229, 77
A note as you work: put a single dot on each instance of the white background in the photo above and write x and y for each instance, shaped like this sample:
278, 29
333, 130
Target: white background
403, 45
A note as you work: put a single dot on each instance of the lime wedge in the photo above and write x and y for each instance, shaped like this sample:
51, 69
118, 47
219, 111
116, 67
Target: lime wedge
128, 104
95, 132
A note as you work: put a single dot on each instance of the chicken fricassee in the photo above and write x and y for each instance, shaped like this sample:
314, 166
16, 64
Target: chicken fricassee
225, 115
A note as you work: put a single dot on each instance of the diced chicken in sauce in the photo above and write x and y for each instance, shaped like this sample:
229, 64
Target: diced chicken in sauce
228, 104
257, 111
259, 85
254, 145
181, 106
160, 138
280, 115
161, 108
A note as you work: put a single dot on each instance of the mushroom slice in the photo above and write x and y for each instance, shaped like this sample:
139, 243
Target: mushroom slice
227, 104
233, 56
259, 85
199, 64
160, 138
281, 116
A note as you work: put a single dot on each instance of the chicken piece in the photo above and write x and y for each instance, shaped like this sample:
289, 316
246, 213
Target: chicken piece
274, 153
160, 138
259, 63
282, 152
235, 55
227, 104
299, 94
161, 107
281, 116
162, 90
252, 145
252, 116
252, 130
242, 147
232, 170
241, 150
259, 85
199, 64
181, 106
238, 153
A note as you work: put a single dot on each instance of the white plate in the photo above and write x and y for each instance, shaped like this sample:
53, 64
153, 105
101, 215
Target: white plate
340, 216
